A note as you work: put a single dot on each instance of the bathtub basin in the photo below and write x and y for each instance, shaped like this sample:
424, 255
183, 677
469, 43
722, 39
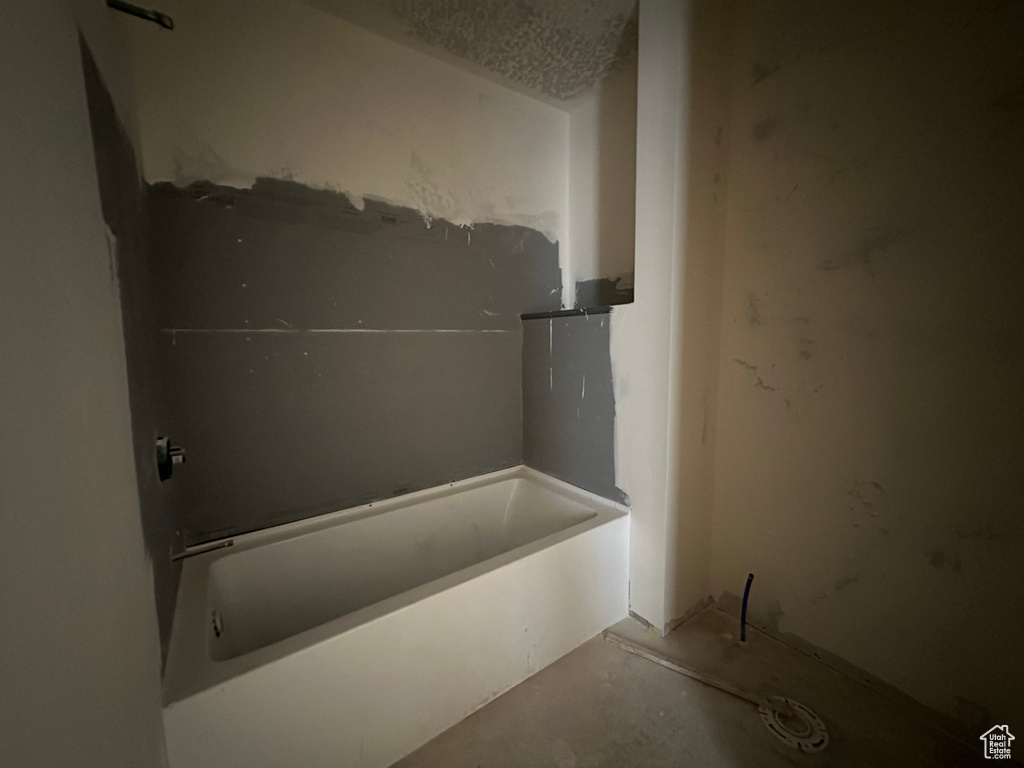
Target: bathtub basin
353, 638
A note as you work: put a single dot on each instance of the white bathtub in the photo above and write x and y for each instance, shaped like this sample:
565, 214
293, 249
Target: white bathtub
353, 638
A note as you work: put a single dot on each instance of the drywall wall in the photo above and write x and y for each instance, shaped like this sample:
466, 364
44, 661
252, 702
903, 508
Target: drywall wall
319, 356
702, 246
284, 255
122, 196
664, 346
870, 418
644, 335
381, 190
79, 645
569, 402
265, 88
602, 190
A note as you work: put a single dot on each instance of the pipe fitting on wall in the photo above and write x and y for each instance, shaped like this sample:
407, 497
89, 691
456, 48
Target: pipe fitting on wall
167, 455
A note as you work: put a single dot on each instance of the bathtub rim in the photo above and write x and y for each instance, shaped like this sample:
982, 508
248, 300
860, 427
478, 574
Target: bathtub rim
190, 670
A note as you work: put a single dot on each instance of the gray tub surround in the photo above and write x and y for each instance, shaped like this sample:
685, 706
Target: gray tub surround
605, 291
122, 198
569, 400
320, 356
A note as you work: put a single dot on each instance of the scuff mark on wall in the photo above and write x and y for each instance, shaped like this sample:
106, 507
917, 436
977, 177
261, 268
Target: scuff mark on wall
762, 70
866, 494
865, 249
846, 581
758, 381
764, 129
938, 558
753, 309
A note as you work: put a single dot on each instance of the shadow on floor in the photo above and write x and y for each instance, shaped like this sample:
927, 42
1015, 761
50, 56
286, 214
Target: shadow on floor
603, 706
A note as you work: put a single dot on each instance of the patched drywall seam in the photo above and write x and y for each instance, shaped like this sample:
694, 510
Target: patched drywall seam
432, 196
343, 109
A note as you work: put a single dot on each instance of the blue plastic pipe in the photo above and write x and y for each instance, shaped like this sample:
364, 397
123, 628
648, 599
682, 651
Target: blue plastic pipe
743, 611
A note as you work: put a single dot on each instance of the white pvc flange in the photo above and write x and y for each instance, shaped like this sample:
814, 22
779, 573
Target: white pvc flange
803, 731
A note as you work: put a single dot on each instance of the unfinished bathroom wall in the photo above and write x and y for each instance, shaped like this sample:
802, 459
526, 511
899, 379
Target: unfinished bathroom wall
870, 418
245, 89
320, 357
569, 401
346, 232
80, 660
602, 189
125, 213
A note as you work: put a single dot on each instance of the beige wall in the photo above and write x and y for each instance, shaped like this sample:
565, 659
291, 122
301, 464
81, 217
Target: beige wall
248, 88
79, 652
870, 421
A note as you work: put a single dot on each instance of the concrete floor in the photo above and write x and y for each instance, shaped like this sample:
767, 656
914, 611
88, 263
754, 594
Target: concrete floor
603, 706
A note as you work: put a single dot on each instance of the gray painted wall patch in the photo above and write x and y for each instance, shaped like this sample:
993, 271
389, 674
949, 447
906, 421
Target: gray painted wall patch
569, 401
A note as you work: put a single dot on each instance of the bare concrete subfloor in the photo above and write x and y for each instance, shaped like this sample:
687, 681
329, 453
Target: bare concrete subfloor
603, 706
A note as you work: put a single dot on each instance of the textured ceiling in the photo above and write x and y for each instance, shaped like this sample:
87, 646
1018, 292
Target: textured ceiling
558, 48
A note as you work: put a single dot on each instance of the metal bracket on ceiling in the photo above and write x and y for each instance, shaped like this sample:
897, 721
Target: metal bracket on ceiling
156, 17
